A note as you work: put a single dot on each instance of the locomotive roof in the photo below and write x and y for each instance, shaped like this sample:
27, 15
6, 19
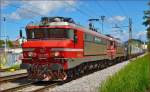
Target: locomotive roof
77, 26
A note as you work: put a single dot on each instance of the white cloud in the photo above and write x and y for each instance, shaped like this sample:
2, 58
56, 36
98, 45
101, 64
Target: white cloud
119, 18
4, 3
115, 19
141, 33
14, 16
30, 9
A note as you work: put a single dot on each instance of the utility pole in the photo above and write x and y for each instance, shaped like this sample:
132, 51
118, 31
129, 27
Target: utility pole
130, 36
102, 18
5, 35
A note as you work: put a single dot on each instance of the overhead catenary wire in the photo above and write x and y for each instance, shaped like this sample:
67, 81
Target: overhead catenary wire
102, 8
121, 7
90, 9
107, 13
79, 10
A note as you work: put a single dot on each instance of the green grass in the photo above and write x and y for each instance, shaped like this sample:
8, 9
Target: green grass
16, 67
135, 77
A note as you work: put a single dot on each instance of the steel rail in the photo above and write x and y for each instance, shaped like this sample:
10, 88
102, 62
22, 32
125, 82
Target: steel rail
45, 87
21, 87
12, 77
14, 89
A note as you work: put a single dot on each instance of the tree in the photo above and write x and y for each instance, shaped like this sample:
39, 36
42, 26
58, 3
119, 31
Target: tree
10, 44
147, 24
1, 43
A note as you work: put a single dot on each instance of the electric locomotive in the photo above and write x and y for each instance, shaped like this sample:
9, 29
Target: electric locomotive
58, 48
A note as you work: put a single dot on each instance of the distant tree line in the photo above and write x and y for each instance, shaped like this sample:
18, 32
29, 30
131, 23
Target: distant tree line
9, 43
147, 24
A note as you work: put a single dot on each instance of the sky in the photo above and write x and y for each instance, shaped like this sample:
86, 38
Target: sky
18, 13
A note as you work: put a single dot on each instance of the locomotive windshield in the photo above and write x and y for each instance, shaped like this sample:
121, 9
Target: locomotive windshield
50, 33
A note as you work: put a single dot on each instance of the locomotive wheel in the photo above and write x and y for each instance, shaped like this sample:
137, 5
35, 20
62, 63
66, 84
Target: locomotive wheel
99, 65
104, 64
110, 62
70, 74
75, 73
94, 66
81, 69
85, 68
78, 71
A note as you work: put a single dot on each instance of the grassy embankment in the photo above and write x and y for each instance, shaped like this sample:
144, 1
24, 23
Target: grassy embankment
135, 77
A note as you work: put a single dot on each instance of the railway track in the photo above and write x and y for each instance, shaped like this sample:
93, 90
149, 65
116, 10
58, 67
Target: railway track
12, 77
31, 87
46, 87
16, 88
3, 70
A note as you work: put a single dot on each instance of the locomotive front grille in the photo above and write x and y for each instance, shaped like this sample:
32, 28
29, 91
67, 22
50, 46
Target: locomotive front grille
51, 71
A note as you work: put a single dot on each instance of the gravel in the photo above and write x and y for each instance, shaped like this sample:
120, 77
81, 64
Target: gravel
89, 83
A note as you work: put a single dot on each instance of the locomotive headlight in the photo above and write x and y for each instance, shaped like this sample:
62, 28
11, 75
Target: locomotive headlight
31, 54
55, 54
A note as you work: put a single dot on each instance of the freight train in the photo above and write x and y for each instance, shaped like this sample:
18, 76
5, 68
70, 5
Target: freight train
57, 48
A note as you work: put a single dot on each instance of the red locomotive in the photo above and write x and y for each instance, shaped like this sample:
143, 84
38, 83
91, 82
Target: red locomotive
58, 48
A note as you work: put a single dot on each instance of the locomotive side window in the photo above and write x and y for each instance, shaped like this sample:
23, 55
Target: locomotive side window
97, 40
94, 39
115, 45
111, 43
119, 45
88, 37
32, 33
71, 34
104, 41
75, 36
